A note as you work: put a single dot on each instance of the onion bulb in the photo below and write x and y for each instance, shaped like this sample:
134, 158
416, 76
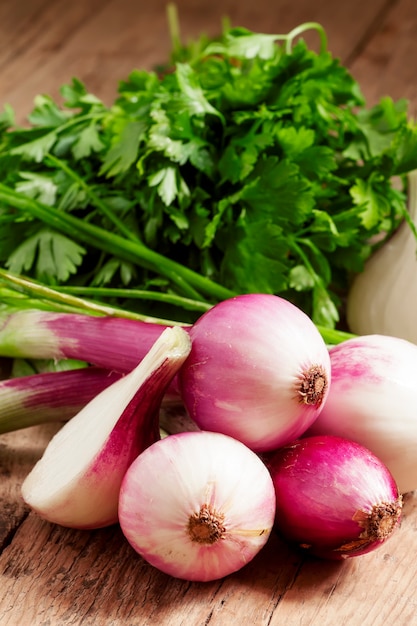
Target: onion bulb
258, 371
77, 480
334, 498
197, 505
373, 401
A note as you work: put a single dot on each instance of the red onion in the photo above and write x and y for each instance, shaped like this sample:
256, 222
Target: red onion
334, 497
197, 505
373, 400
258, 371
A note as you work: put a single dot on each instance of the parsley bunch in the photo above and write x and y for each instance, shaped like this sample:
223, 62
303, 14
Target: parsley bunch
250, 163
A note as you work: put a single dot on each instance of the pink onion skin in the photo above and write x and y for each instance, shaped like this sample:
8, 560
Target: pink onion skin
172, 480
78, 336
373, 400
248, 354
112, 343
326, 488
49, 396
76, 482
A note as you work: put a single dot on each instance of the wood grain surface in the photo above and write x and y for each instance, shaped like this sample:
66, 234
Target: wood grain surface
51, 576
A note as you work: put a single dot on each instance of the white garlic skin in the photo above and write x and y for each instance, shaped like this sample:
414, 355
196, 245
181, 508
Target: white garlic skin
383, 298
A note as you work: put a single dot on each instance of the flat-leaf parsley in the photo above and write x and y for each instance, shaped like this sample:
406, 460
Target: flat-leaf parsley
250, 163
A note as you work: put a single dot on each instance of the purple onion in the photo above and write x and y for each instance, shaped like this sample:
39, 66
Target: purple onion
334, 497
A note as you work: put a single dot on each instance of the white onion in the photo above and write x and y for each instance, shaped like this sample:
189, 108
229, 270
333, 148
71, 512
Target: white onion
197, 505
258, 371
373, 401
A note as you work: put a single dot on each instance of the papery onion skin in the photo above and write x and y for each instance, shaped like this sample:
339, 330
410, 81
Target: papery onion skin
184, 480
373, 400
258, 371
334, 498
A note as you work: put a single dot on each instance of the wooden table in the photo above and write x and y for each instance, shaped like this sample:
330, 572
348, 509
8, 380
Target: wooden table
54, 576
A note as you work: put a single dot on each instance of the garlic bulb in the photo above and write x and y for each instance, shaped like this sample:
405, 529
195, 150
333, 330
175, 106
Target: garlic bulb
383, 298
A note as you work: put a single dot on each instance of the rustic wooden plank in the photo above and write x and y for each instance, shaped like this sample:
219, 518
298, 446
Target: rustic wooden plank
18, 453
61, 576
386, 65
15, 20
32, 36
55, 575
101, 42
41, 26
378, 588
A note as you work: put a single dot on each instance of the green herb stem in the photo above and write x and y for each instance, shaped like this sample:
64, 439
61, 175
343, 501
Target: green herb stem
300, 252
140, 294
174, 27
15, 300
302, 28
43, 293
134, 251
97, 202
333, 337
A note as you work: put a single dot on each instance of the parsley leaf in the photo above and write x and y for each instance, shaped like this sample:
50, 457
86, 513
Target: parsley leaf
53, 257
247, 163
277, 190
37, 186
124, 150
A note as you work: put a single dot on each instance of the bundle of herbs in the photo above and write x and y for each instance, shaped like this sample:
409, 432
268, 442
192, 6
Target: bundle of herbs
249, 163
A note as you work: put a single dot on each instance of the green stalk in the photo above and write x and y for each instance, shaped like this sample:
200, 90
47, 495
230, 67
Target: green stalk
69, 302
10, 299
96, 201
133, 251
299, 30
333, 337
174, 27
139, 294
